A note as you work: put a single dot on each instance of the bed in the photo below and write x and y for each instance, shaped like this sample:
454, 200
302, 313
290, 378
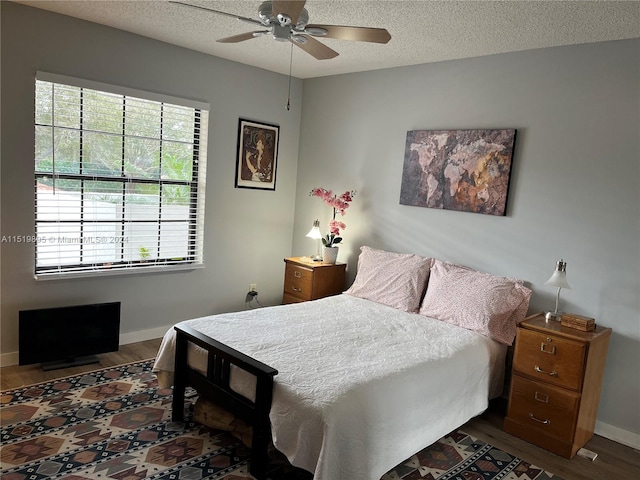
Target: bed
349, 386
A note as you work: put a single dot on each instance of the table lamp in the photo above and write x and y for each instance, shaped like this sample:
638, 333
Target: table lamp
316, 235
558, 279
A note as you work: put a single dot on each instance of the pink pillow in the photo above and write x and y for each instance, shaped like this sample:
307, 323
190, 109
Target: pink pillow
484, 303
394, 279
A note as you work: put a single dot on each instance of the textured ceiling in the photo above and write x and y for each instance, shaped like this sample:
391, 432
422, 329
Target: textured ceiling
421, 31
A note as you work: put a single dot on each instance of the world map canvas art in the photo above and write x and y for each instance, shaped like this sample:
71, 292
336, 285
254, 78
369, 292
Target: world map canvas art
464, 170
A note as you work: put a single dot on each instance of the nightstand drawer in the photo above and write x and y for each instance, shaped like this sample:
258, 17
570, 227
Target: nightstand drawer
550, 359
548, 409
298, 281
288, 298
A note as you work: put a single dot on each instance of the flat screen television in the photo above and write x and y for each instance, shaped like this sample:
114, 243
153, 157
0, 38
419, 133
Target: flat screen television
66, 336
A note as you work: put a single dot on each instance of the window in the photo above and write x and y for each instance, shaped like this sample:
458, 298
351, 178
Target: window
119, 178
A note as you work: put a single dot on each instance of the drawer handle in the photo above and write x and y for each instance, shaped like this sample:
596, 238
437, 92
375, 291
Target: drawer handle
297, 274
551, 350
544, 422
551, 374
296, 289
541, 397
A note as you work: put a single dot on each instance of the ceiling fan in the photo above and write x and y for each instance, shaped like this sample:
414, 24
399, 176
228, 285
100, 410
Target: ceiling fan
288, 21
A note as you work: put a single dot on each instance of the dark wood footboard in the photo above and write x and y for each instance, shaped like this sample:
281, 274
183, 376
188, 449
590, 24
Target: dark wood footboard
215, 387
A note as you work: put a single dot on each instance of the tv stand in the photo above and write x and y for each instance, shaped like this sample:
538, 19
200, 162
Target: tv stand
69, 362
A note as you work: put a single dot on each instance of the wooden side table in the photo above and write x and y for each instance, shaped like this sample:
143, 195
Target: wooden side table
308, 280
556, 382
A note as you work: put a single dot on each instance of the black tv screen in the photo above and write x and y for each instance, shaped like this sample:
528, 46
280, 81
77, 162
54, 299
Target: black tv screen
63, 336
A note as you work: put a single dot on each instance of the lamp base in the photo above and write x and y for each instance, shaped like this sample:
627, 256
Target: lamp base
555, 316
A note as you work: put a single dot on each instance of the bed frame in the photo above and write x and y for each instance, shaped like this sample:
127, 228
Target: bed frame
215, 387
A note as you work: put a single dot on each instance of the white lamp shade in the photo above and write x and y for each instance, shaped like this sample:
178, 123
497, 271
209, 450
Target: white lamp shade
559, 277
315, 232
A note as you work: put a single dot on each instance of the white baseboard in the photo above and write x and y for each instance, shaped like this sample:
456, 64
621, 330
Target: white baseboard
618, 435
7, 359
142, 335
11, 358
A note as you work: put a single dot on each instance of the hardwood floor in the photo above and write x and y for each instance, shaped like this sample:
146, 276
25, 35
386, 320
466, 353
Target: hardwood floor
16, 376
614, 462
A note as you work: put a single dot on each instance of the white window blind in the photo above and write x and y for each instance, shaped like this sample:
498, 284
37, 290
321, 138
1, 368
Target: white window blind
119, 179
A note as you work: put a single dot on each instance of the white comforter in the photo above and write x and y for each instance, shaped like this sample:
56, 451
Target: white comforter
361, 386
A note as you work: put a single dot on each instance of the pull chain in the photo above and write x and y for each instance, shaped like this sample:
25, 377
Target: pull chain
289, 89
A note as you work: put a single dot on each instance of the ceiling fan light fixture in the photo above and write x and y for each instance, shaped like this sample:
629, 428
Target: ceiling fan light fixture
303, 19
265, 13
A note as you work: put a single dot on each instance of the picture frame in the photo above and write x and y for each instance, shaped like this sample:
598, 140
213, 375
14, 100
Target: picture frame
463, 170
257, 155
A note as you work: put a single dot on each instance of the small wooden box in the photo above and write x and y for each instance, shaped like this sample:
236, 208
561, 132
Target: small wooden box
571, 320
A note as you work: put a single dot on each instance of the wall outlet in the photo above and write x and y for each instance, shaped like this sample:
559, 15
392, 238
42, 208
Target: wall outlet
253, 287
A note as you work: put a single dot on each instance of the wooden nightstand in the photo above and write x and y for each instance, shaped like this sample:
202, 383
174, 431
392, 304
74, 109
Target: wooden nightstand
556, 382
308, 280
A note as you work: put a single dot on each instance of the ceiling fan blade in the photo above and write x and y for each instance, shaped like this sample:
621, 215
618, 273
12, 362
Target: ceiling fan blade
292, 8
241, 37
358, 34
237, 17
315, 48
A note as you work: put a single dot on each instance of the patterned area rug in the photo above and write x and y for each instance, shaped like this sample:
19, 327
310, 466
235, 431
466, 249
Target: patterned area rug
459, 456
115, 424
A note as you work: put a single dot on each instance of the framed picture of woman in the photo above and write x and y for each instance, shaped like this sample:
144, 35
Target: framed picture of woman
257, 155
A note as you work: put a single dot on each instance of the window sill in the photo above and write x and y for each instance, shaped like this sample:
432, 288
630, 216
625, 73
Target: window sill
118, 272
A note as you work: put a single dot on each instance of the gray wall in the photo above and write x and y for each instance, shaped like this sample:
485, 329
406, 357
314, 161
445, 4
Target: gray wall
574, 187
248, 232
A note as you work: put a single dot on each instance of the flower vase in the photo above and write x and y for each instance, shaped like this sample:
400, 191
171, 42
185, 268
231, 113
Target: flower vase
329, 254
